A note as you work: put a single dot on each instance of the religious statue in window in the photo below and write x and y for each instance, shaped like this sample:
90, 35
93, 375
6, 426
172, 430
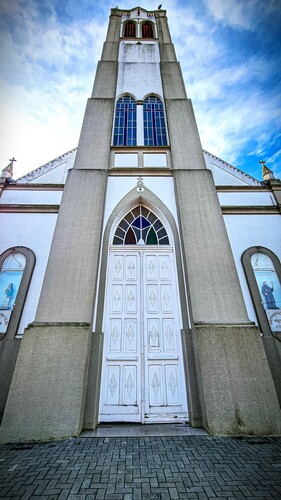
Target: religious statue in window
269, 288
10, 278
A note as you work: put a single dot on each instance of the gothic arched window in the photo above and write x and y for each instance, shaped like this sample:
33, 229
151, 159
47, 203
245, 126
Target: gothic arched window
125, 126
16, 267
263, 273
147, 30
154, 122
140, 226
130, 30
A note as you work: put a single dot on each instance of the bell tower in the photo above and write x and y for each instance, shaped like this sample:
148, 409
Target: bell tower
139, 123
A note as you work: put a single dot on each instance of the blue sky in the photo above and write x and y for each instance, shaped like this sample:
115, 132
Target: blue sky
230, 54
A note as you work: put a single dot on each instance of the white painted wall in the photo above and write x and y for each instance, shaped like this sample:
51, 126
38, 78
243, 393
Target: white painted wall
118, 187
139, 70
34, 231
56, 175
246, 231
33, 197
246, 199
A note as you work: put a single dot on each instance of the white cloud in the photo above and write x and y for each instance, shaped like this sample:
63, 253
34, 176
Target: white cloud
246, 14
48, 79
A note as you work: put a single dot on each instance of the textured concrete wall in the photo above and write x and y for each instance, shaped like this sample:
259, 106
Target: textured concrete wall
105, 81
113, 32
93, 148
184, 137
47, 395
9, 349
162, 27
69, 284
110, 51
94, 380
214, 286
172, 80
236, 388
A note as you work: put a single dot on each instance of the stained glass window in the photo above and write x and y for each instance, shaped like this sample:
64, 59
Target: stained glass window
140, 226
125, 126
269, 288
147, 30
130, 30
10, 278
154, 122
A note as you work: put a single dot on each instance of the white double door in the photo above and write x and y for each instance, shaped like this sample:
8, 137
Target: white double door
142, 374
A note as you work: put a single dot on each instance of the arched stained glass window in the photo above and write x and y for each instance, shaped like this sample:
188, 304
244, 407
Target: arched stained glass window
140, 226
269, 288
130, 30
154, 122
147, 30
10, 277
125, 126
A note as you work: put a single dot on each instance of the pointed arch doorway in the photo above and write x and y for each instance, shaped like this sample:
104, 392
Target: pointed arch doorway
142, 372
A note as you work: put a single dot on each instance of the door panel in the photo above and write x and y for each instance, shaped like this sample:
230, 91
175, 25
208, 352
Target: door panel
142, 361
163, 361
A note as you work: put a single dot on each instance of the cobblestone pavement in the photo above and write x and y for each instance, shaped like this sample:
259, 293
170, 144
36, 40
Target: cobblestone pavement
159, 467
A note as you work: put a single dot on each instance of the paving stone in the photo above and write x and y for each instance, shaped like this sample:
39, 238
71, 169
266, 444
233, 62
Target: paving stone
143, 468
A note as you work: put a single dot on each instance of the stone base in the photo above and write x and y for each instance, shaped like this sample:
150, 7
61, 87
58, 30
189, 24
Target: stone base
236, 389
47, 394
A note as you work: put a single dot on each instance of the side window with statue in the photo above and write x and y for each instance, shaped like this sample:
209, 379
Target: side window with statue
16, 267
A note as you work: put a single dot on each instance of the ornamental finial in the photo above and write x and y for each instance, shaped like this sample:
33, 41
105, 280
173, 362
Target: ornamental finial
267, 174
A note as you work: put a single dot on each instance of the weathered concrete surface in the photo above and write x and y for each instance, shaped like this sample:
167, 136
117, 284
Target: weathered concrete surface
69, 286
186, 147
162, 27
94, 382
95, 139
236, 389
9, 349
105, 81
47, 395
215, 291
172, 80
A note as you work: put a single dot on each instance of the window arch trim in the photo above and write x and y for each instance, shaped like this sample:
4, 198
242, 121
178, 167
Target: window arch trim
154, 121
147, 23
125, 121
23, 287
127, 32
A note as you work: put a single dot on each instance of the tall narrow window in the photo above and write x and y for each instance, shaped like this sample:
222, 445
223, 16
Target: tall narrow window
10, 278
154, 122
125, 127
140, 226
16, 267
130, 30
269, 288
263, 273
147, 30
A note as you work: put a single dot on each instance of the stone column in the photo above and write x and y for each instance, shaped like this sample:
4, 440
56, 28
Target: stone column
49, 386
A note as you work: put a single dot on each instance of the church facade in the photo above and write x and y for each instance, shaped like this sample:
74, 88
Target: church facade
140, 275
